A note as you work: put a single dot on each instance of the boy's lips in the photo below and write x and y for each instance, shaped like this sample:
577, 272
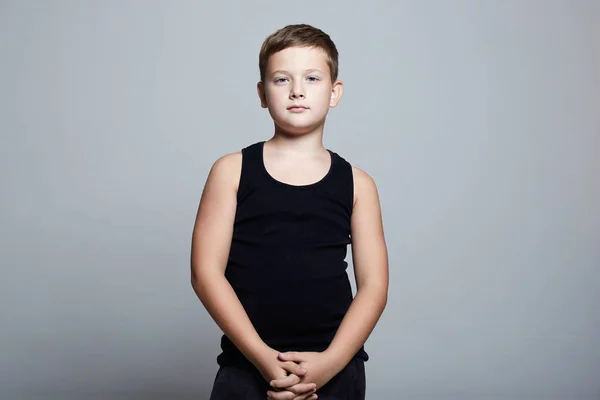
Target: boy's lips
297, 108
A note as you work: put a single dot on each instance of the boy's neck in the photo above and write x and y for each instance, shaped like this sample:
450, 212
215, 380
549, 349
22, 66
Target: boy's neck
297, 143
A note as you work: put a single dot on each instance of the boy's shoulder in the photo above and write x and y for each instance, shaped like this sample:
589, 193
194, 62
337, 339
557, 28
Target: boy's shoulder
363, 183
234, 159
228, 161
232, 162
359, 174
227, 169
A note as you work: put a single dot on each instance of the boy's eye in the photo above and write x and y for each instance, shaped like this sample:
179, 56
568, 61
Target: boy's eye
310, 78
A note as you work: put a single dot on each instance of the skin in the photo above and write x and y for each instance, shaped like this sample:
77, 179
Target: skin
294, 155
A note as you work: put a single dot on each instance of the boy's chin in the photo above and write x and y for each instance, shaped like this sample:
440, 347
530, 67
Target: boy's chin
297, 130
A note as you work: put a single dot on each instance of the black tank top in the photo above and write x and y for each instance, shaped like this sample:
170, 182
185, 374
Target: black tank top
287, 258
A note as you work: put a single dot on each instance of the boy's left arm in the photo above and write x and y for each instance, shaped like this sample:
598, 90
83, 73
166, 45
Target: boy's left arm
370, 259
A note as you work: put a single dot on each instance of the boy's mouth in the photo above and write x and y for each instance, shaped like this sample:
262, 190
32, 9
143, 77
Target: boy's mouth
297, 108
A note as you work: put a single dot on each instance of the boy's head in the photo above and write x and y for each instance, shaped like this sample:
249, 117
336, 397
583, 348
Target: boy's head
299, 67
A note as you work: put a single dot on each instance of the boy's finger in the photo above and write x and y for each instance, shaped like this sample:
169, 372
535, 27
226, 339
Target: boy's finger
283, 395
303, 389
291, 356
289, 380
294, 368
310, 396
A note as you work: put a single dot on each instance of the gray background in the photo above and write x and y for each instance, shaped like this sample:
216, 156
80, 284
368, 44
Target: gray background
479, 120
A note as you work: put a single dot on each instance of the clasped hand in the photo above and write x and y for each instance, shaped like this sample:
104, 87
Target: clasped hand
296, 375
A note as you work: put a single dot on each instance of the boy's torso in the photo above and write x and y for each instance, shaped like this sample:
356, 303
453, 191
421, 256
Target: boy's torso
287, 259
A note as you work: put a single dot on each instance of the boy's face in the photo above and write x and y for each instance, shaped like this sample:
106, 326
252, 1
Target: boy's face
299, 76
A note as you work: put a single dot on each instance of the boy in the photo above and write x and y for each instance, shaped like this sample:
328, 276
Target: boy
271, 236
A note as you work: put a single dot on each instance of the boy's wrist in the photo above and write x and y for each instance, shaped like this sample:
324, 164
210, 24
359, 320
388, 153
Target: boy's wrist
259, 351
337, 359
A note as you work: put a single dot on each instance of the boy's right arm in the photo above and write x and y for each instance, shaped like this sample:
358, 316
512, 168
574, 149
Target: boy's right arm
211, 242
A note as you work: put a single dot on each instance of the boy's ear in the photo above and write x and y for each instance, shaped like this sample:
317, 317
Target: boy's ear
336, 93
260, 88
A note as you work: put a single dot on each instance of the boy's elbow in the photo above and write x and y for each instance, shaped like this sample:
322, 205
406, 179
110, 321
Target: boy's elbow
200, 278
195, 282
378, 291
196, 276
383, 296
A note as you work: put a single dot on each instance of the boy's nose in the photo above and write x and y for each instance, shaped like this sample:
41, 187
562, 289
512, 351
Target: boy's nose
297, 92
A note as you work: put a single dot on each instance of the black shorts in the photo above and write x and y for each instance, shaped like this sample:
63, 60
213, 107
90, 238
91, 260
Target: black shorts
238, 384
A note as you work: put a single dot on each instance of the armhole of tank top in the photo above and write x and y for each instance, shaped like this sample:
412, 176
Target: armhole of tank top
242, 181
352, 189
345, 175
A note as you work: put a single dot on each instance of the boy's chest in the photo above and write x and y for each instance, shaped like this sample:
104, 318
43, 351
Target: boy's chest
314, 215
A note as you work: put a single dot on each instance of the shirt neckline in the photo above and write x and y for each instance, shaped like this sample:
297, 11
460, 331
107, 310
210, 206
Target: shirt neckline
281, 183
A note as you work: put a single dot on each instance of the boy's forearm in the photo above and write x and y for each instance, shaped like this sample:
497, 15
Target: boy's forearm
357, 325
223, 305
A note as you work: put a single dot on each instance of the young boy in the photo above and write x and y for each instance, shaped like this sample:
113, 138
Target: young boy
271, 237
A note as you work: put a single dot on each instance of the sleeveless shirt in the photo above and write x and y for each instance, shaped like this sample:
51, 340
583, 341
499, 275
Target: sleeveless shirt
287, 258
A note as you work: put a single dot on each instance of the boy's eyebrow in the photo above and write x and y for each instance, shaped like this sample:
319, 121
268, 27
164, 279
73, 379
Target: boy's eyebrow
283, 71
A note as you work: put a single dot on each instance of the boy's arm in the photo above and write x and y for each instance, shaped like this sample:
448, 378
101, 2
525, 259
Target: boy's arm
370, 259
211, 242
